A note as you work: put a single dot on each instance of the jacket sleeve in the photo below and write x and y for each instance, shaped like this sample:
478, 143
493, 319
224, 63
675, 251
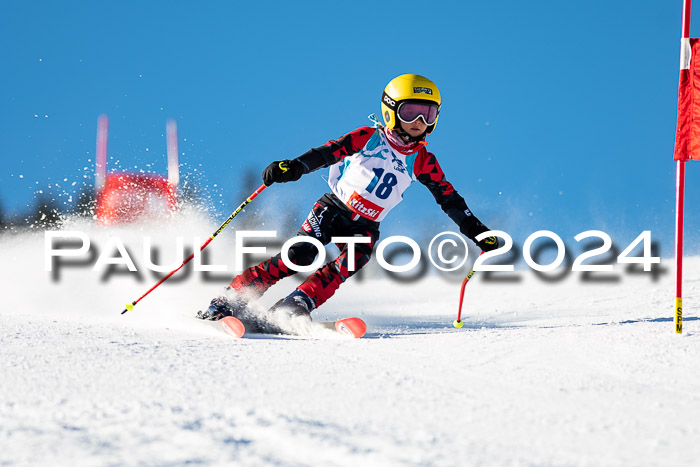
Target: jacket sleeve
335, 150
428, 172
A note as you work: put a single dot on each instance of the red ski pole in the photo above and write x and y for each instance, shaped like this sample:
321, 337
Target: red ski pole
458, 322
130, 306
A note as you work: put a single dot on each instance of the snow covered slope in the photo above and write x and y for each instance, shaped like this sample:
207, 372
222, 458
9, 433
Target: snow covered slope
567, 373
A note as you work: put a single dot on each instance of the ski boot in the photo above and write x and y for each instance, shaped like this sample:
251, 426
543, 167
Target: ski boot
233, 304
229, 304
296, 304
292, 314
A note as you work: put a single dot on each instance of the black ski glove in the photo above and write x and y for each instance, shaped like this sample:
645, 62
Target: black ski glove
283, 172
471, 227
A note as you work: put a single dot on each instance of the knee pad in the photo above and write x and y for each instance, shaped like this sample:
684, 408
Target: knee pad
302, 254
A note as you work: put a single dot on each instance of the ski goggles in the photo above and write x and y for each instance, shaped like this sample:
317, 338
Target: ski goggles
409, 112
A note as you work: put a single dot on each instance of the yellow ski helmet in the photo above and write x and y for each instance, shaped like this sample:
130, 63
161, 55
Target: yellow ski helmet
408, 88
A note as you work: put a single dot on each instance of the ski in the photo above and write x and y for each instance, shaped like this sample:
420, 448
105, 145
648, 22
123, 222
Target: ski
232, 326
350, 326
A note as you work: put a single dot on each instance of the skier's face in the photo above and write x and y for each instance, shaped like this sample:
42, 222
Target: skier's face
414, 129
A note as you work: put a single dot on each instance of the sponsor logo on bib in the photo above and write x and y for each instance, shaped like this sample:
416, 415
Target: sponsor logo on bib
364, 207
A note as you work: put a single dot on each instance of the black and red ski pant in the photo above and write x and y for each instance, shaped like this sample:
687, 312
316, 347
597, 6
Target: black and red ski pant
326, 220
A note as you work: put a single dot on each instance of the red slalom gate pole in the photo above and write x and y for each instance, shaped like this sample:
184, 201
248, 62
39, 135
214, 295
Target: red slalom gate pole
130, 306
680, 176
680, 195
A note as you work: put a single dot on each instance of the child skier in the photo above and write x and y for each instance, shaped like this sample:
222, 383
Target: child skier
369, 170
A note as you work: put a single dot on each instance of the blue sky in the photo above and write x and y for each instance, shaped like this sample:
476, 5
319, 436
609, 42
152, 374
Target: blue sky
556, 115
